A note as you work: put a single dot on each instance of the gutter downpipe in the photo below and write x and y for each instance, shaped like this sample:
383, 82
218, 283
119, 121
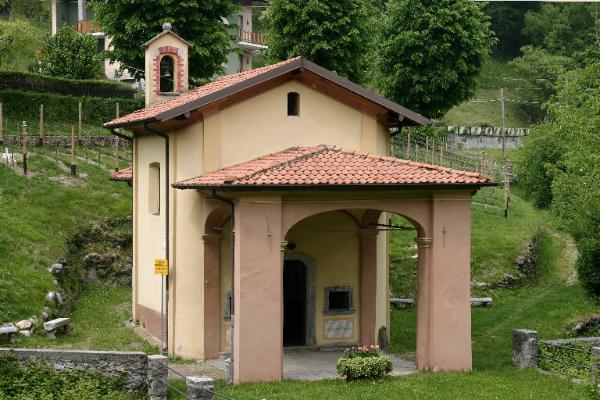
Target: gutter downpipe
232, 206
165, 316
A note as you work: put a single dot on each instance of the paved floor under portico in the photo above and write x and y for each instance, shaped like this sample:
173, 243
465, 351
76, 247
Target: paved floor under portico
304, 365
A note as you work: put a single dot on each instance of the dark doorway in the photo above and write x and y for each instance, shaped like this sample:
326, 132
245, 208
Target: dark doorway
294, 303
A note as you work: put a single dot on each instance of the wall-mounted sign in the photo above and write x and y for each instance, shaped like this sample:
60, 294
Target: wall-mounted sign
339, 329
161, 266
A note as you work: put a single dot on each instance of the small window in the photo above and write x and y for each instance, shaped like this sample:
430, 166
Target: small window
154, 189
338, 300
166, 74
293, 104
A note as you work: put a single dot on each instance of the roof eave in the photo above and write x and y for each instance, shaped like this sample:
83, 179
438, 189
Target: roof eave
229, 187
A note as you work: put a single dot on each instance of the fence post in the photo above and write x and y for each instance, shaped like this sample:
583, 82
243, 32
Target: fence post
506, 188
42, 124
200, 388
158, 373
596, 366
73, 163
1, 123
525, 344
24, 140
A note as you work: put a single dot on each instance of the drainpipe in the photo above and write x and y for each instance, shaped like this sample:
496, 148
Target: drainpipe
232, 206
165, 318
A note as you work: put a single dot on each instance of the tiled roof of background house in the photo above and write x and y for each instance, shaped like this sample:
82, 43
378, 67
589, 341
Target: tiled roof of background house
230, 84
331, 166
125, 175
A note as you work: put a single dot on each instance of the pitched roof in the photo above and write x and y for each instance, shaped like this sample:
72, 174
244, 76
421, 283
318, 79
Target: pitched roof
228, 85
124, 175
327, 166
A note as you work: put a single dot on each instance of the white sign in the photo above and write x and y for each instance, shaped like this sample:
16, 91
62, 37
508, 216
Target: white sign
339, 329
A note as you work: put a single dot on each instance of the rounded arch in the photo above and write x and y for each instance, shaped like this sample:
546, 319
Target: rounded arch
417, 212
167, 74
215, 216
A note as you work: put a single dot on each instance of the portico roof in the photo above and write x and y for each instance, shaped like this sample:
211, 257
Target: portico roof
330, 166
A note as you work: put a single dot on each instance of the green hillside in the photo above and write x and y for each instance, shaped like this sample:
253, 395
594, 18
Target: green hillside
477, 113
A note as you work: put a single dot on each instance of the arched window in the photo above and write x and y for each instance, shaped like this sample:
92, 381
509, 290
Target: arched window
293, 103
154, 189
166, 74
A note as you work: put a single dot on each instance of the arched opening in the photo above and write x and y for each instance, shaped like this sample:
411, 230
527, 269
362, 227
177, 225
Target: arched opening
167, 71
350, 287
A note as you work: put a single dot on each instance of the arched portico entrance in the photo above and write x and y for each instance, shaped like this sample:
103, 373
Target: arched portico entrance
262, 224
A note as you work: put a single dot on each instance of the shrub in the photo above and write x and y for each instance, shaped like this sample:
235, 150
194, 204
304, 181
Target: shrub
71, 55
76, 87
588, 264
572, 360
364, 367
363, 362
19, 105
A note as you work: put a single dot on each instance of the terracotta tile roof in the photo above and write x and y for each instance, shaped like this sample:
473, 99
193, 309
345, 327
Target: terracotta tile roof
221, 83
125, 175
331, 166
227, 85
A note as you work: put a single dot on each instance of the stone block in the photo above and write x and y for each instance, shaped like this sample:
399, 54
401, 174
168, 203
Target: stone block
200, 388
158, 373
525, 345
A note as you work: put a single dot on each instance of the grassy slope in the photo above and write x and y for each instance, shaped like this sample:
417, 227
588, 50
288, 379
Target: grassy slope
38, 214
490, 82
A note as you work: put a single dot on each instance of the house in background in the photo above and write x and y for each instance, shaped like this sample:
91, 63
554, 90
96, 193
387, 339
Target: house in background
269, 193
79, 14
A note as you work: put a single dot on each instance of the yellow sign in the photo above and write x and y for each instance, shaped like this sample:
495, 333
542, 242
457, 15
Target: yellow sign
161, 266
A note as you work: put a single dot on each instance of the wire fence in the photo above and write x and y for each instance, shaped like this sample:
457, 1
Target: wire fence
109, 153
572, 360
183, 395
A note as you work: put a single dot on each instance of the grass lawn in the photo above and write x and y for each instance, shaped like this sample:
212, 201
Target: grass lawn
490, 82
37, 215
98, 324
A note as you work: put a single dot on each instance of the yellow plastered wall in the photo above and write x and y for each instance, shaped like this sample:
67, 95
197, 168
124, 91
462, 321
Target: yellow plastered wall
332, 240
150, 241
187, 255
260, 125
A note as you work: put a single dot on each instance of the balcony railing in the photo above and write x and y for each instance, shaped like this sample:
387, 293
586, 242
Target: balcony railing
253, 37
87, 26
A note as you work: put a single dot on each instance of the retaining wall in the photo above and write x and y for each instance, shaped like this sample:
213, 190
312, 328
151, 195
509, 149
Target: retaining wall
134, 365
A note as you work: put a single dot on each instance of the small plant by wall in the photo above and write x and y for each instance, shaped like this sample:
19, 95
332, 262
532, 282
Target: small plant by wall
363, 362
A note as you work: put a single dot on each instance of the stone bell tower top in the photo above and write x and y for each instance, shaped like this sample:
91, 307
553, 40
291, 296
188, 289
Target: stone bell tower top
166, 66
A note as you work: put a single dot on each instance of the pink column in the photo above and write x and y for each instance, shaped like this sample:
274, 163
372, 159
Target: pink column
368, 298
444, 310
211, 307
258, 297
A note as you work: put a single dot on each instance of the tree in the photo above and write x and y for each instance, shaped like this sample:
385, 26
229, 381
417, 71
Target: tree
429, 55
70, 55
563, 29
131, 23
18, 42
508, 21
332, 33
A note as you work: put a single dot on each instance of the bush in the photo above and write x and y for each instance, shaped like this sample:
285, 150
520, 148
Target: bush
38, 381
574, 361
588, 264
363, 362
364, 367
20, 105
71, 55
47, 84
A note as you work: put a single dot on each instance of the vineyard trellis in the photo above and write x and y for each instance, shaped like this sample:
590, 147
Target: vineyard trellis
435, 151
